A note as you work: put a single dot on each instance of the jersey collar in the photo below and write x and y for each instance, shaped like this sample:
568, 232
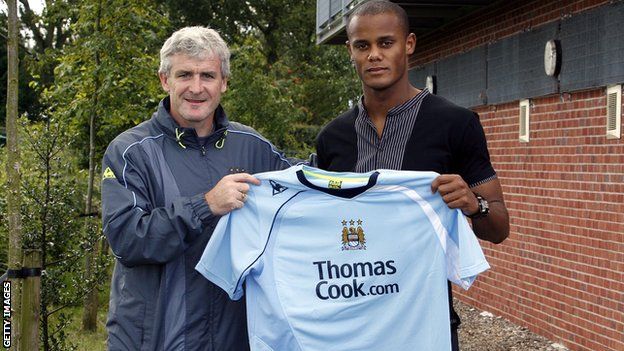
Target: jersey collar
335, 177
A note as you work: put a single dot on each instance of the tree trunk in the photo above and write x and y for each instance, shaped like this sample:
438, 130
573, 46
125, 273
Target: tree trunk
45, 325
90, 304
31, 296
13, 171
89, 314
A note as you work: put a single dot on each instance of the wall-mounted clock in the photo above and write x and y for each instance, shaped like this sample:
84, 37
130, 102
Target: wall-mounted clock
430, 84
552, 58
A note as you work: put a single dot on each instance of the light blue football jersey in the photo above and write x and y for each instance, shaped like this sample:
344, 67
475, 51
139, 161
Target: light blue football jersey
344, 261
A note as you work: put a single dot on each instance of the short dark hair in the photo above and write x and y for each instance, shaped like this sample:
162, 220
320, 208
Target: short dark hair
376, 7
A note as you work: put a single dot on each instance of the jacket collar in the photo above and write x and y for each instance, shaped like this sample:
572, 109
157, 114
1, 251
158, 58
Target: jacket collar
187, 136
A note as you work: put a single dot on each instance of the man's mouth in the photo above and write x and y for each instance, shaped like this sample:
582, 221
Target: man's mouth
376, 69
195, 101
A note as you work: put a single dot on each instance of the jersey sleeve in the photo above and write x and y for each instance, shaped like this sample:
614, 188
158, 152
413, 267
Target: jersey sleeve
234, 250
465, 259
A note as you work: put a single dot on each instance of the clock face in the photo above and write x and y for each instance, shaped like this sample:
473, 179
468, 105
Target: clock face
552, 58
430, 84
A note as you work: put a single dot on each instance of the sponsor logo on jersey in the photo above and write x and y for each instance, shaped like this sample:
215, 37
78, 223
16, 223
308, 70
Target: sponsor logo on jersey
352, 280
108, 174
352, 236
277, 187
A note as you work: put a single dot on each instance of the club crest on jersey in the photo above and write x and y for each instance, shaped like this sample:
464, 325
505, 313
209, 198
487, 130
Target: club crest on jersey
352, 236
277, 187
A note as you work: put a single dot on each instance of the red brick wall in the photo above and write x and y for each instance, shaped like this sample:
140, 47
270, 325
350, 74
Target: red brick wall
561, 272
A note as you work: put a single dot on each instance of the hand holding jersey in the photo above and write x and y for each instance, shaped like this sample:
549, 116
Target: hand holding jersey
455, 193
230, 193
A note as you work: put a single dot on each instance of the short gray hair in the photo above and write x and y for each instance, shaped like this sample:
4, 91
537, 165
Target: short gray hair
196, 42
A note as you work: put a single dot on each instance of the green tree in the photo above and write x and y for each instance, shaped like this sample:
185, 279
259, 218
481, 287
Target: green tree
28, 102
42, 37
120, 59
46, 36
47, 187
50, 184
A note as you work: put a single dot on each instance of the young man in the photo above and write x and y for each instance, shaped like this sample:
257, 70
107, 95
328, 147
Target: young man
397, 126
166, 182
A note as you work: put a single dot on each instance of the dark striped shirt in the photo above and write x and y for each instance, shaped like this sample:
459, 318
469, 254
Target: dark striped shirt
386, 152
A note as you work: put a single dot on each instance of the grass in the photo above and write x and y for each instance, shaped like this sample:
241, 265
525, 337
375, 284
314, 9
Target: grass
87, 341
90, 341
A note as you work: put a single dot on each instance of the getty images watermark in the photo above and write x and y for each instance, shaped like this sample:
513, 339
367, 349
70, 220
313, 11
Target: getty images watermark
6, 314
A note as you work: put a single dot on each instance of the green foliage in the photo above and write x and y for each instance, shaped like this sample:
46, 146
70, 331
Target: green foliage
260, 98
109, 70
28, 102
82, 340
50, 198
288, 102
47, 35
60, 340
223, 15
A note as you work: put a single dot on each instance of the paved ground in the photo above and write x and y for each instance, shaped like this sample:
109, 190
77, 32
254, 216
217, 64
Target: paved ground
482, 331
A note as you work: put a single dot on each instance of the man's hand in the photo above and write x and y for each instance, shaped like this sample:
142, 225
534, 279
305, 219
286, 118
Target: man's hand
230, 193
456, 193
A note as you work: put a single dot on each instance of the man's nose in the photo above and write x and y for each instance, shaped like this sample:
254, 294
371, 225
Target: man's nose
375, 54
195, 85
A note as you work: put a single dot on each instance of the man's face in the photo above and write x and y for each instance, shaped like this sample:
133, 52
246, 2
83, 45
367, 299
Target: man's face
195, 86
380, 48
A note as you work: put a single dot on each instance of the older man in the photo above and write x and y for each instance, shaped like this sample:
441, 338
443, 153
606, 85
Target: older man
165, 184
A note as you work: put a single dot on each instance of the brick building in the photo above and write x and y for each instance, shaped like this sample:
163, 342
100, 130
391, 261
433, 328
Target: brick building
555, 141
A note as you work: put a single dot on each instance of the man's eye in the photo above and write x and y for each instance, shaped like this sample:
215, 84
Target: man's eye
183, 74
386, 44
207, 76
360, 46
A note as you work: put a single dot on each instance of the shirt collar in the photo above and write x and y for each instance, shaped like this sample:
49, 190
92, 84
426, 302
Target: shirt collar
396, 110
188, 135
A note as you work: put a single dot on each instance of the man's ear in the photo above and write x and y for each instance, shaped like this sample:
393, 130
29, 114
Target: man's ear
348, 45
163, 81
224, 85
410, 43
